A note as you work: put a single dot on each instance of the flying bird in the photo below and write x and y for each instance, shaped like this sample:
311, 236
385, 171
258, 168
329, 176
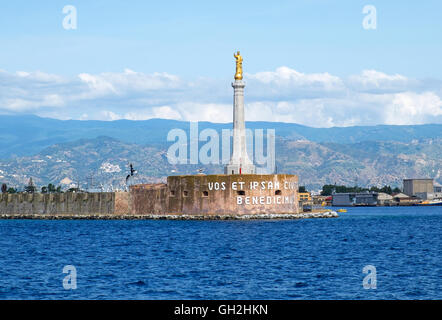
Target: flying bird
132, 172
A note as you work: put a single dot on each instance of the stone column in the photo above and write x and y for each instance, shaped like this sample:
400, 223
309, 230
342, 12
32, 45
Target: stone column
239, 162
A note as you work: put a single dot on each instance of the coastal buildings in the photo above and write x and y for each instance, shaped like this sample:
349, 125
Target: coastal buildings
305, 201
414, 186
305, 196
401, 199
416, 192
381, 199
424, 189
355, 199
384, 199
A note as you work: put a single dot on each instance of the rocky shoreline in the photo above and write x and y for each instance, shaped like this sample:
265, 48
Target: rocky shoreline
304, 215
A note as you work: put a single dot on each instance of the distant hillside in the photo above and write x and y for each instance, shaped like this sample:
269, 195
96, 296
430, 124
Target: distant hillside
107, 159
28, 135
363, 163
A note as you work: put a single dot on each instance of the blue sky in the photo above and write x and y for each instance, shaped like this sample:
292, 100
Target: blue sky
191, 43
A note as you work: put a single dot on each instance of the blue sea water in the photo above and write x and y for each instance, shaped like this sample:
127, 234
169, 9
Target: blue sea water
283, 259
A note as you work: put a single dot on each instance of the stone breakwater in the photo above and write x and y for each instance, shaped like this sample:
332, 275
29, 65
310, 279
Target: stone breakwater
196, 197
306, 215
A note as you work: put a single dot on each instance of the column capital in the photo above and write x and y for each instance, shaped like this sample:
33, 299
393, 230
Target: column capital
238, 84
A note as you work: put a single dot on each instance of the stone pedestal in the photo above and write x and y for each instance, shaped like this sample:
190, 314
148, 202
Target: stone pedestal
239, 162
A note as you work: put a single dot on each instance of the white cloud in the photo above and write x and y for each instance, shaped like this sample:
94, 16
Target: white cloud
317, 99
39, 76
129, 81
163, 112
181, 111
412, 108
286, 83
312, 112
214, 112
377, 78
109, 115
285, 76
98, 85
379, 82
19, 104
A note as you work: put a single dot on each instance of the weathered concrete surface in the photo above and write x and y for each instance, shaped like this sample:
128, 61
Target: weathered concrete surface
148, 199
64, 203
218, 195
122, 203
232, 194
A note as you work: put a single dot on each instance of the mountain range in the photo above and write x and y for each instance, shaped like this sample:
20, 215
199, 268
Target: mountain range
71, 152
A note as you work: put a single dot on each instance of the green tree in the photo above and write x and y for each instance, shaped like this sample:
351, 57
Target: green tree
328, 189
12, 190
30, 187
302, 189
51, 188
4, 188
387, 189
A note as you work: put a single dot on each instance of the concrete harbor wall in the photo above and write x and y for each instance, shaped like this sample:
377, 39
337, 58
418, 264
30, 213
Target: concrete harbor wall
197, 196
64, 203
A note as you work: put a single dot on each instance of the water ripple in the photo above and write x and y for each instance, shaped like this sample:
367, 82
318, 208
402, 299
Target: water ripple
299, 259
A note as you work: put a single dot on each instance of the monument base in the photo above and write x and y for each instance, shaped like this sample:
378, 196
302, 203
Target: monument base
239, 169
213, 195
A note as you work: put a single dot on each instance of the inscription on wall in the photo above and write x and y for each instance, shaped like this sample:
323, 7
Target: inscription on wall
243, 199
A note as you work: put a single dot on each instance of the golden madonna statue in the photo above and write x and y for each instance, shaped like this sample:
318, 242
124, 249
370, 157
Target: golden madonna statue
238, 74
